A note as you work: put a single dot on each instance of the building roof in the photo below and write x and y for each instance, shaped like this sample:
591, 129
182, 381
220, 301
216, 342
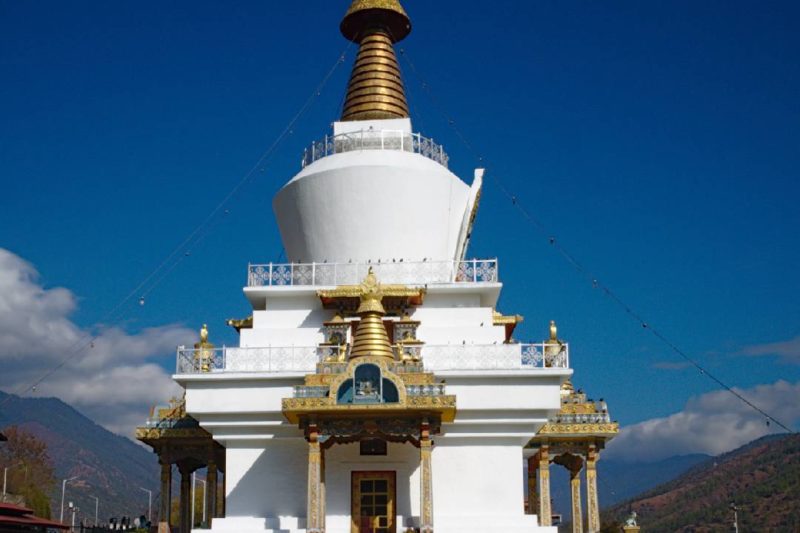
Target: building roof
23, 519
579, 418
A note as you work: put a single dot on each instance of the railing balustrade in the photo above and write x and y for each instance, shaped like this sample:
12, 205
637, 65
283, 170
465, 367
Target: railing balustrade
402, 272
434, 358
494, 356
397, 140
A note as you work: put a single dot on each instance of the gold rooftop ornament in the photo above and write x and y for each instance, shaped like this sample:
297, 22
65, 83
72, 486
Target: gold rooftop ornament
376, 89
370, 338
204, 350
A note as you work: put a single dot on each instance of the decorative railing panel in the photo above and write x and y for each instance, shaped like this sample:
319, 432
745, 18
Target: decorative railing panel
267, 359
401, 272
396, 140
437, 389
434, 358
494, 356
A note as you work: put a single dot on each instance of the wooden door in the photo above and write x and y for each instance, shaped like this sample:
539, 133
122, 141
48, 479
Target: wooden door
373, 507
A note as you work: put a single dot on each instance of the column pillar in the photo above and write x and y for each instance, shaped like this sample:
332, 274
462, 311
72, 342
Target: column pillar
224, 495
322, 492
577, 513
592, 504
165, 506
426, 479
314, 516
185, 507
545, 512
211, 492
533, 470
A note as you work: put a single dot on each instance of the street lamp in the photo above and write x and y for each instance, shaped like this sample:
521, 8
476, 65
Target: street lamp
74, 509
149, 502
96, 507
195, 479
63, 489
5, 474
735, 510
203, 481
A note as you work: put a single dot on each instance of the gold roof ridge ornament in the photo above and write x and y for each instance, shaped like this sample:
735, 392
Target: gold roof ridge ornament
375, 90
204, 351
370, 338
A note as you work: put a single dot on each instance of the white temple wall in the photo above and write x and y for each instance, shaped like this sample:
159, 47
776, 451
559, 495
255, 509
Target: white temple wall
262, 337
208, 397
286, 322
477, 477
505, 391
342, 460
457, 318
252, 502
449, 300
415, 200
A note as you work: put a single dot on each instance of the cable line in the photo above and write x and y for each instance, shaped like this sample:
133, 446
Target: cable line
580, 269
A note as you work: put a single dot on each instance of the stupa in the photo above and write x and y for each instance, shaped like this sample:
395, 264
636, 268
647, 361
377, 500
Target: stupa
376, 387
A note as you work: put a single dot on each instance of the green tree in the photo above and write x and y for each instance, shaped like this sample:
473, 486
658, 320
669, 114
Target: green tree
30, 471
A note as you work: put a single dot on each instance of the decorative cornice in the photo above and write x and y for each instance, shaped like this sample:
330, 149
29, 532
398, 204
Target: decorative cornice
605, 430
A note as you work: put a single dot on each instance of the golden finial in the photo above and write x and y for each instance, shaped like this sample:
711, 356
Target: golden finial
371, 295
204, 350
553, 331
366, 15
375, 90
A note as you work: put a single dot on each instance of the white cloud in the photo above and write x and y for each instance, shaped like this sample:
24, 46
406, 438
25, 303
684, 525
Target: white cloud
114, 381
713, 423
789, 350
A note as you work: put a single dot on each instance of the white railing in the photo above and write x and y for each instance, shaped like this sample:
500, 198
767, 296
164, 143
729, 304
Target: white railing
397, 140
266, 359
434, 358
402, 272
494, 356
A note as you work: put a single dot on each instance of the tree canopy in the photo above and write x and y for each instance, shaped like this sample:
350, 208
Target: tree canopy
30, 470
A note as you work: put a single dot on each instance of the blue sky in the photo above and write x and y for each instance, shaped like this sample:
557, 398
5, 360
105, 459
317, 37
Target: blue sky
659, 141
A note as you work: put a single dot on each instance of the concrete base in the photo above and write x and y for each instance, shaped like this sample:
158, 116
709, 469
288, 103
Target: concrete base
285, 524
444, 524
481, 524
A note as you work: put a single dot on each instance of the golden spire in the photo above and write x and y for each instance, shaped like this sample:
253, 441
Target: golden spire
376, 88
370, 337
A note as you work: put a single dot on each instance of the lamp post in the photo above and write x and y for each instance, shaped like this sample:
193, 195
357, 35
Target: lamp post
149, 502
735, 510
74, 510
194, 496
5, 474
63, 489
193, 491
96, 507
203, 481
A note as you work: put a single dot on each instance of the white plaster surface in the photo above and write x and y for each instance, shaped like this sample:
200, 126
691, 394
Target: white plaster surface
372, 204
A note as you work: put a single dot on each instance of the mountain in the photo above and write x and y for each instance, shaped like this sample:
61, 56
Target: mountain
620, 480
762, 477
108, 466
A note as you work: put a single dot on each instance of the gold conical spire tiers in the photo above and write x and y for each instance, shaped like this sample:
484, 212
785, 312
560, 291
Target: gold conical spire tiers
375, 90
370, 338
